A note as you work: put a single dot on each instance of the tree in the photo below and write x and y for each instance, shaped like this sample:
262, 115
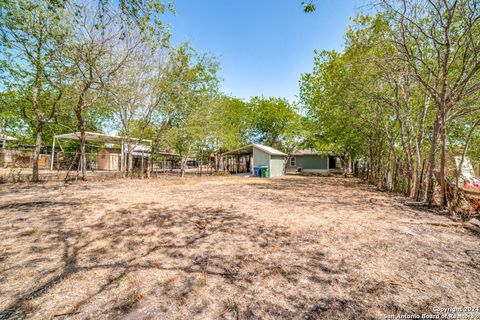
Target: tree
186, 135
439, 42
334, 114
185, 113
9, 118
275, 122
136, 92
141, 15
230, 125
406, 74
102, 47
33, 39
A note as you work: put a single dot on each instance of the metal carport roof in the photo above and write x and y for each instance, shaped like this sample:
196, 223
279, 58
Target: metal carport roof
249, 149
97, 137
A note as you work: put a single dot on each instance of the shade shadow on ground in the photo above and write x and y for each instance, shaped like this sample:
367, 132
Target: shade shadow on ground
310, 248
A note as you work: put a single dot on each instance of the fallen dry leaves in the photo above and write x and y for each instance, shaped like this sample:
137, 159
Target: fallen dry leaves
227, 247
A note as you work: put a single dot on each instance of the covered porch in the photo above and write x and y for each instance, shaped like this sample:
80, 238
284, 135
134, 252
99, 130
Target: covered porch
255, 157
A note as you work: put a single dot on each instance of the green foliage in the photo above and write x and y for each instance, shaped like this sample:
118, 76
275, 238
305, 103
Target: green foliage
191, 83
334, 114
399, 88
31, 53
10, 122
275, 122
231, 124
32, 43
309, 7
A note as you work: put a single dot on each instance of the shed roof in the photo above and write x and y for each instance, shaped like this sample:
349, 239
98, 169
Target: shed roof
97, 137
249, 149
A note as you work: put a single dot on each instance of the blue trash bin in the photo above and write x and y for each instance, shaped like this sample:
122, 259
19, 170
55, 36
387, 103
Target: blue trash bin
256, 171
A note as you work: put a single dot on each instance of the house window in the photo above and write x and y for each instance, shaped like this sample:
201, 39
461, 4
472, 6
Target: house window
293, 162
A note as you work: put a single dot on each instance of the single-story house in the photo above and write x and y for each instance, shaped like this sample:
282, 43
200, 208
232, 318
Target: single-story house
311, 161
245, 159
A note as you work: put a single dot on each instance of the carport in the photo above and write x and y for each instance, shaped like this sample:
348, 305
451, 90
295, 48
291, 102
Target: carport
244, 159
138, 145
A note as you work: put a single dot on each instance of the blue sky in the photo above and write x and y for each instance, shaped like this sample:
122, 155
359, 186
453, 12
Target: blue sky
263, 45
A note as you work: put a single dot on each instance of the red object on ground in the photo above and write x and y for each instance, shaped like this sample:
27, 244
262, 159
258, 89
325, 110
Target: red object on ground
472, 185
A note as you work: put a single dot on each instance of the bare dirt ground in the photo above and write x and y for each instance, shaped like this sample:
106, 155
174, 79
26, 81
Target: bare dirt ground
227, 248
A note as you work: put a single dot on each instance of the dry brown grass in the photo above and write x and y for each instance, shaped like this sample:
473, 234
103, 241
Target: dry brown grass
227, 248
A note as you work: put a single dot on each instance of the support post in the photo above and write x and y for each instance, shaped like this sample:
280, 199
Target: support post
122, 165
150, 161
53, 155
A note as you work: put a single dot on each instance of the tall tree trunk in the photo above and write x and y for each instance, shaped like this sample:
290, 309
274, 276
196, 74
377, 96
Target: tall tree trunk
122, 159
406, 151
182, 167
379, 180
150, 163
4, 148
201, 161
443, 159
217, 161
36, 154
83, 154
36, 91
81, 126
130, 161
396, 176
346, 163
419, 192
430, 183
371, 164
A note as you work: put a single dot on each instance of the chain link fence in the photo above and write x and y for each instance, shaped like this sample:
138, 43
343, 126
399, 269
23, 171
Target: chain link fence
16, 165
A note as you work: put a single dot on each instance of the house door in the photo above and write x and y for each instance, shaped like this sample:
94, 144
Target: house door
114, 162
332, 162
